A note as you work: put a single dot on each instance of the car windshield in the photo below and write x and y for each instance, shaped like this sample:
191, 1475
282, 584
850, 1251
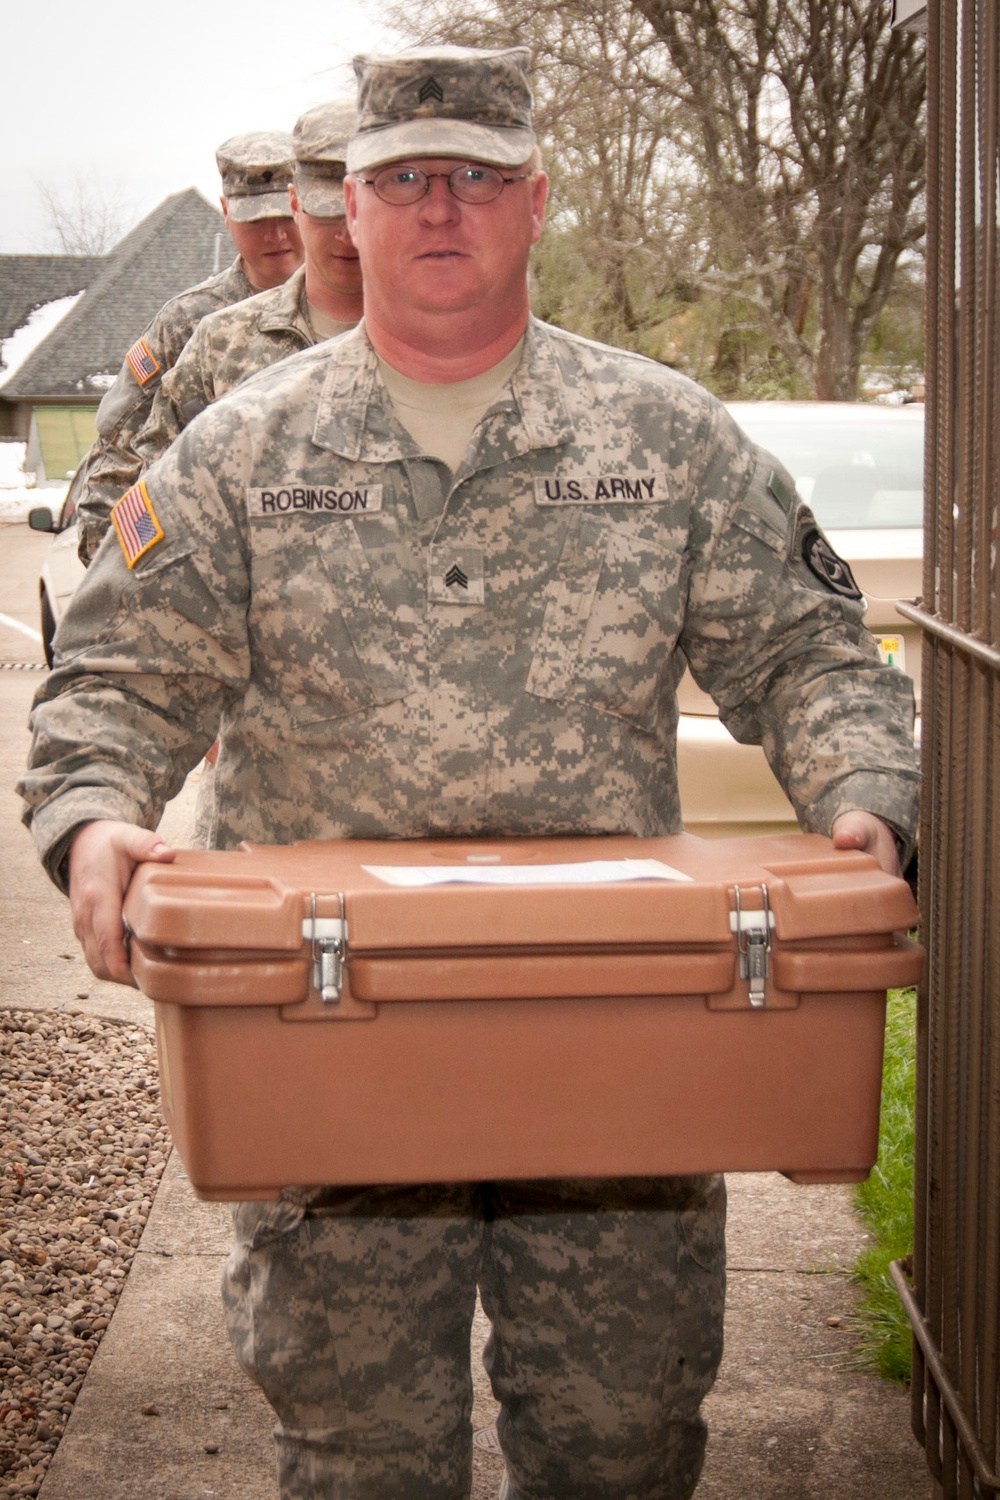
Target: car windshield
68, 514
853, 472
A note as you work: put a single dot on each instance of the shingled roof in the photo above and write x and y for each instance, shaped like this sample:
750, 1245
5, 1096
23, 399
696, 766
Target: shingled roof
173, 248
29, 281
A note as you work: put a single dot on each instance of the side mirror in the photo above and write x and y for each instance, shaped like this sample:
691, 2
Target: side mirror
40, 518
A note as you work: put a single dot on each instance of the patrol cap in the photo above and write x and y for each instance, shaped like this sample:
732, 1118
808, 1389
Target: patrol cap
443, 101
256, 170
320, 138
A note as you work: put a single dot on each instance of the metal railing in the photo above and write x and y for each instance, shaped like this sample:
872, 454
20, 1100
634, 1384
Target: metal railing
952, 1289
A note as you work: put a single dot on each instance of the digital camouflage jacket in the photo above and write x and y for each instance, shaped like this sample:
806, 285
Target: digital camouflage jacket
391, 650
112, 465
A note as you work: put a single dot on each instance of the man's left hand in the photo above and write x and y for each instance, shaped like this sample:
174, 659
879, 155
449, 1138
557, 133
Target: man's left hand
862, 830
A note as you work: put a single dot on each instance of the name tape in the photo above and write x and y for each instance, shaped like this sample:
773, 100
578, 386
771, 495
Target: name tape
292, 498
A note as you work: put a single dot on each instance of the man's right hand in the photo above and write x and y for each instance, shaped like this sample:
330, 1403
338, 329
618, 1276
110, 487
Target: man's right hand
102, 857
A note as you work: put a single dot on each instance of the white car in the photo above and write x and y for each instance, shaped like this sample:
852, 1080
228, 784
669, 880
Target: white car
859, 466
62, 568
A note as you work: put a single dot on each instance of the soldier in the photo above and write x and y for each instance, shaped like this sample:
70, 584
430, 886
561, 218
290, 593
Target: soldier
440, 576
322, 298
255, 170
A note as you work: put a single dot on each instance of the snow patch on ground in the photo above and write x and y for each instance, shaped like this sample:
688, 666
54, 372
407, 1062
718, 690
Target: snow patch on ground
18, 493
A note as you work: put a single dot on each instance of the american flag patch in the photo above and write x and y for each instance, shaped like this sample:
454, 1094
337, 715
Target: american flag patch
141, 362
136, 524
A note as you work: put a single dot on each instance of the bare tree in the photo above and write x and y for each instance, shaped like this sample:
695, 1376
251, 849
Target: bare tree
806, 122
86, 219
615, 248
735, 182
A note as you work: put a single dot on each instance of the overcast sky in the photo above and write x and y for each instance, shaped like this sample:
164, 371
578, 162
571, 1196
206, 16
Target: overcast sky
131, 101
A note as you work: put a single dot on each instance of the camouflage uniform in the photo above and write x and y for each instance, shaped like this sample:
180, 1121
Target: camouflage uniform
396, 651
226, 347
238, 340
255, 170
112, 465
606, 1303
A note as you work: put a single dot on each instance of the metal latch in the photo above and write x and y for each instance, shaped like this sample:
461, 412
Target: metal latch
753, 940
327, 938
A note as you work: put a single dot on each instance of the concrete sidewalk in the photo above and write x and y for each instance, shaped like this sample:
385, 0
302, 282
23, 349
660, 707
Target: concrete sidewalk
165, 1412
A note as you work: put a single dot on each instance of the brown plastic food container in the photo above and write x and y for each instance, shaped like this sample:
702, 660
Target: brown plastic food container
317, 1023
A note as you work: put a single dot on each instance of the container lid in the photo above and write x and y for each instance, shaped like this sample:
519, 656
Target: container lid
513, 893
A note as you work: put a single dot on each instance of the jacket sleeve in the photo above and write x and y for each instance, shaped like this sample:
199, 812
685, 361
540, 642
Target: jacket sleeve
149, 655
775, 633
183, 393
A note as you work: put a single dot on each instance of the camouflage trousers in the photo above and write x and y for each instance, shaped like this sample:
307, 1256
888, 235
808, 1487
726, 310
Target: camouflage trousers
352, 1309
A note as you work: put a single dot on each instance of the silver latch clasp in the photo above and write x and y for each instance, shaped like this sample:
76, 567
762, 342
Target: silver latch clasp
753, 941
327, 938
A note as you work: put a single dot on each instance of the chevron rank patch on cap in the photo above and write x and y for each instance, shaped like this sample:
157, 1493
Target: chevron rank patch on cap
135, 523
141, 362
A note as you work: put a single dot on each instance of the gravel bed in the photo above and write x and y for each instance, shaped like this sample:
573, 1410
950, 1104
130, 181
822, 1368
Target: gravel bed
82, 1149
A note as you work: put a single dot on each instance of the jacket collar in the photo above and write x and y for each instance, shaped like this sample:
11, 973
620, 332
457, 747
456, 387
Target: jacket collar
287, 308
355, 418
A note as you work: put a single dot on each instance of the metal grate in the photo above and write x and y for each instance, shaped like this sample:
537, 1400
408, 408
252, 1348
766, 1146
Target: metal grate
952, 1291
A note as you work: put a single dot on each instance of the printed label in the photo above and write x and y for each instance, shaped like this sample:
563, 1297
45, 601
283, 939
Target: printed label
600, 489
291, 497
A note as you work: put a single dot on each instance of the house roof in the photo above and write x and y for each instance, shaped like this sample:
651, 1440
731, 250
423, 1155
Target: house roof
172, 249
30, 281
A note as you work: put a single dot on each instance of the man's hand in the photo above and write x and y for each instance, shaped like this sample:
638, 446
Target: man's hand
102, 858
862, 830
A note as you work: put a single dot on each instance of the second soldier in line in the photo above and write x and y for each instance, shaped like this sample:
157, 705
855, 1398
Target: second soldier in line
255, 170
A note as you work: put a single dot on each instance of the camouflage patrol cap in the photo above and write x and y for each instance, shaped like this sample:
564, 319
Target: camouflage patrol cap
320, 138
256, 170
443, 101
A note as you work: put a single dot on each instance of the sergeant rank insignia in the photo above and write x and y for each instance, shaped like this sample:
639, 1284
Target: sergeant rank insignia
135, 523
457, 575
142, 362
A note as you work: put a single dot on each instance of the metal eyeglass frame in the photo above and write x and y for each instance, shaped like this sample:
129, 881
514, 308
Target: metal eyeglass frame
449, 177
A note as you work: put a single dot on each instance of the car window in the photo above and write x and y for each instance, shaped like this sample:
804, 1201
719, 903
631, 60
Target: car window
851, 473
67, 515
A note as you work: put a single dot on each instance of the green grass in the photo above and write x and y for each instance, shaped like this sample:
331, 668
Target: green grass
885, 1201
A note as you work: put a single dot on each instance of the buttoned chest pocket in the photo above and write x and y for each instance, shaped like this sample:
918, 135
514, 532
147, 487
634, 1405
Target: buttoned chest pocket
611, 622
323, 635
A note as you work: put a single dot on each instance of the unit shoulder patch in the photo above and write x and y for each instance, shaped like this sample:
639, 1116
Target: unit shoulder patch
135, 523
823, 562
142, 362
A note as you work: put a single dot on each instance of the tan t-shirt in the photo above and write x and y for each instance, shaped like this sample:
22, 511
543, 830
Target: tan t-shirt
322, 326
442, 418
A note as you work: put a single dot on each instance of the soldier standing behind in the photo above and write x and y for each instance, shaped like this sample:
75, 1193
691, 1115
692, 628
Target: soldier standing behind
322, 298
255, 170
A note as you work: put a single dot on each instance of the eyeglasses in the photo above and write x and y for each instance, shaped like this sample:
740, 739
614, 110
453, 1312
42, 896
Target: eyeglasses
402, 185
